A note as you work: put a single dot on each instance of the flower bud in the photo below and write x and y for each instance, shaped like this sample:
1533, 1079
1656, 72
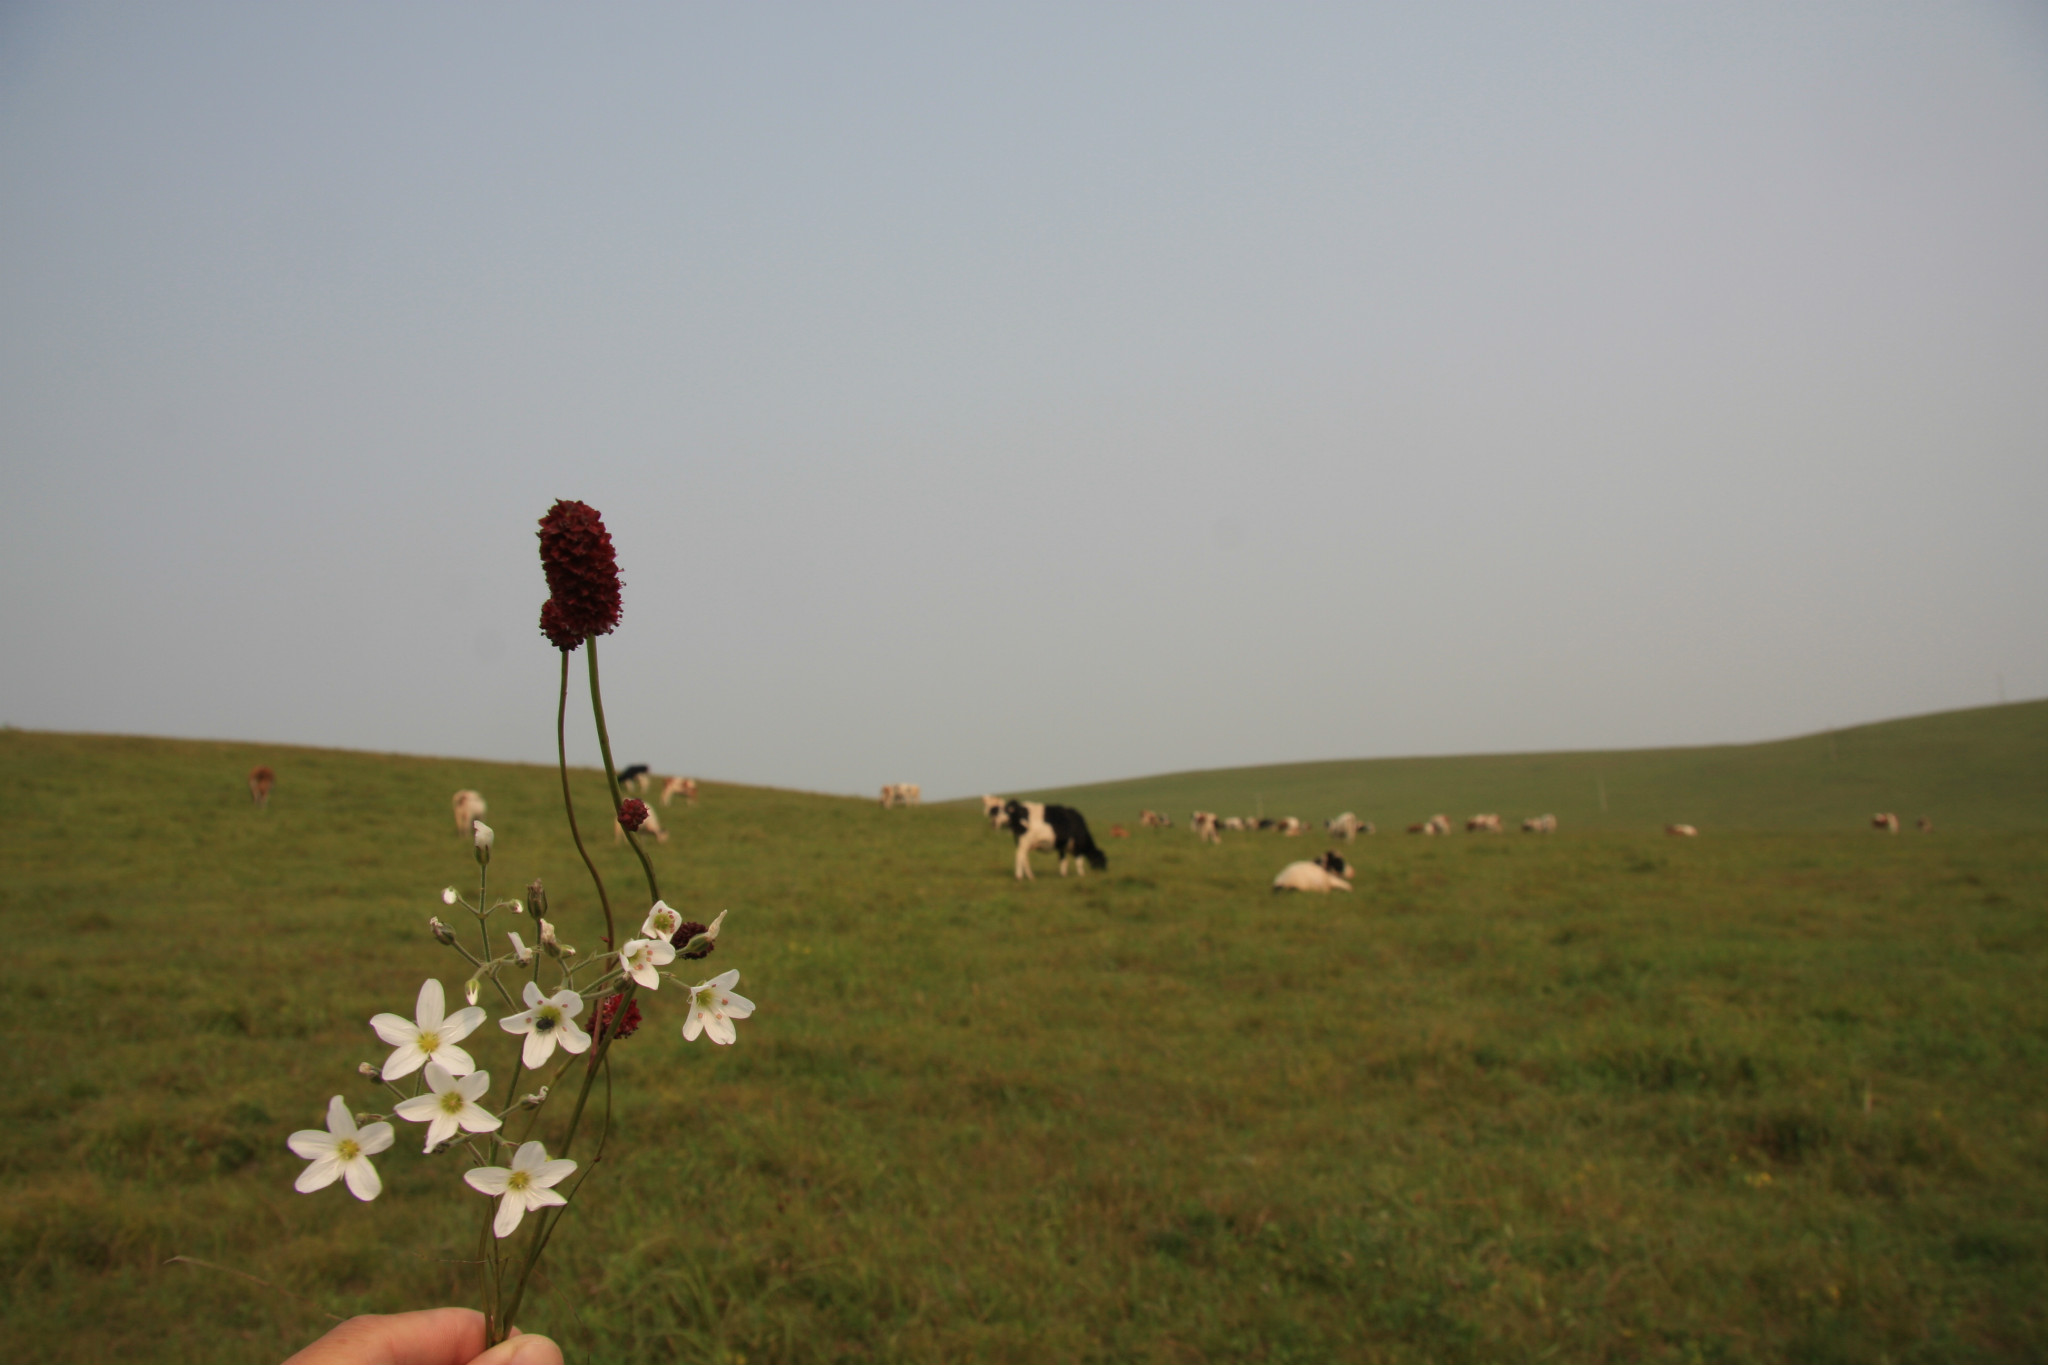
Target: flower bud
471, 989
537, 898
484, 838
535, 1100
632, 814
548, 943
448, 896
514, 906
367, 1117
441, 932
368, 1072
520, 952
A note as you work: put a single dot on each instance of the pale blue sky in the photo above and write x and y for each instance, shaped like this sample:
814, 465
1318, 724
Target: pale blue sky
995, 397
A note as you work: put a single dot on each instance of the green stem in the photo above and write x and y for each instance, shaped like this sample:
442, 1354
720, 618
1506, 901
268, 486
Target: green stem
604, 746
569, 806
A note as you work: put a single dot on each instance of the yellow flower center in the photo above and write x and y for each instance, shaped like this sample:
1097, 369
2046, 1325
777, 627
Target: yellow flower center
452, 1101
428, 1043
518, 1180
348, 1149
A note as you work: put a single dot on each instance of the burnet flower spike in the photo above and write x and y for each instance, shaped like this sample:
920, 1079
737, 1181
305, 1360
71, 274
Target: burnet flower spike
576, 1006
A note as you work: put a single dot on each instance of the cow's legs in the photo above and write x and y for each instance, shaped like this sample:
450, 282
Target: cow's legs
1024, 862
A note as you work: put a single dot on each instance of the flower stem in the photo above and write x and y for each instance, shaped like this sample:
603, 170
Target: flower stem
569, 806
611, 775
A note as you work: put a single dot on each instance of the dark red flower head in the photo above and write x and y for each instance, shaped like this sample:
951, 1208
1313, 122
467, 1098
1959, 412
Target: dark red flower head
555, 628
609, 1007
582, 570
632, 814
688, 930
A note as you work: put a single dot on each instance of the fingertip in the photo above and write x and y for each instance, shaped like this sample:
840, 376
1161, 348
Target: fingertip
521, 1349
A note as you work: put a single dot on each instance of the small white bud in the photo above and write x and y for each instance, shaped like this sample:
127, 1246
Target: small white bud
520, 951
484, 836
441, 932
448, 896
535, 1100
515, 907
716, 925
548, 943
471, 989
364, 1069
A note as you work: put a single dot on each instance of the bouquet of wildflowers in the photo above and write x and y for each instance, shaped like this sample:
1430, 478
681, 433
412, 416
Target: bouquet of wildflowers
564, 1009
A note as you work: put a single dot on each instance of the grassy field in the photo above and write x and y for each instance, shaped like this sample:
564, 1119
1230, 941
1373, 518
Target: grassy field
1606, 1096
1980, 769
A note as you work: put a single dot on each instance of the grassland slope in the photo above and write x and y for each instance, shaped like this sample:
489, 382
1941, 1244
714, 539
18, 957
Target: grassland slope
1985, 768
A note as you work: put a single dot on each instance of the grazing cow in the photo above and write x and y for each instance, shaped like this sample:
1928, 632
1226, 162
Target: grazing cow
992, 810
1204, 825
1925, 824
1345, 827
1235, 824
1326, 873
1262, 823
1292, 827
1682, 831
1036, 825
469, 807
1424, 828
685, 787
1153, 819
1483, 824
651, 825
1885, 821
1540, 824
635, 778
261, 780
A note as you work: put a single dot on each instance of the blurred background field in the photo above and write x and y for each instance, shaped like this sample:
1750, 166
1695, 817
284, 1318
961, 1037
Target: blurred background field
1771, 1094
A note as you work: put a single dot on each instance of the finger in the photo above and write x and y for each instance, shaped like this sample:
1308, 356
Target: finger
438, 1336
521, 1350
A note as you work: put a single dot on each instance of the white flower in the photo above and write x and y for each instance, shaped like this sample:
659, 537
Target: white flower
483, 835
548, 1020
428, 1036
547, 935
519, 950
342, 1152
448, 895
526, 1184
453, 1104
713, 1007
661, 921
639, 958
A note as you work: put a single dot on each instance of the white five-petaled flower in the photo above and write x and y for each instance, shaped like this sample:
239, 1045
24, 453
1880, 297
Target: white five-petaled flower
519, 949
528, 1183
451, 1105
343, 1152
713, 1007
641, 957
447, 895
547, 1020
483, 835
661, 922
429, 1036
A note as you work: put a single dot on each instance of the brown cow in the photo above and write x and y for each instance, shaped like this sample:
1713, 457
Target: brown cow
261, 780
1119, 832
685, 787
1885, 821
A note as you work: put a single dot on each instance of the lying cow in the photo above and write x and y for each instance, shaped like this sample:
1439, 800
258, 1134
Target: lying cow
469, 808
1153, 819
1235, 824
1292, 827
1327, 873
261, 780
685, 787
1681, 831
1203, 823
651, 825
1885, 821
1540, 824
1119, 832
1036, 826
1483, 824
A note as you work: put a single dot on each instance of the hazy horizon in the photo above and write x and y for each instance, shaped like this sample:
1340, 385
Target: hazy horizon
999, 398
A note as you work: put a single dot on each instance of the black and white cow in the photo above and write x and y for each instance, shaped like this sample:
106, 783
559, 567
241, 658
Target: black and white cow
635, 778
1039, 826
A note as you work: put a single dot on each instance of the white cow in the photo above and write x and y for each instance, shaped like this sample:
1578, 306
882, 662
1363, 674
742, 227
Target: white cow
1682, 831
1292, 827
651, 825
1326, 873
1203, 823
469, 808
685, 787
1347, 827
1540, 824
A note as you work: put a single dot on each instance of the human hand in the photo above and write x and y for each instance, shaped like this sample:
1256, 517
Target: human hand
438, 1336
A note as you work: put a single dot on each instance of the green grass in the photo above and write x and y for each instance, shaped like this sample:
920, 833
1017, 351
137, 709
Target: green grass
1598, 1097
1979, 769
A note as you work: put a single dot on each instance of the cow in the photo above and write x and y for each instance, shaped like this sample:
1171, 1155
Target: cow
1153, 819
1925, 824
1292, 827
1433, 826
1885, 821
685, 787
1540, 824
1036, 825
635, 779
1681, 831
469, 806
1119, 832
651, 825
992, 810
261, 780
1203, 824
902, 794
1326, 873
1483, 824
1347, 827
1235, 824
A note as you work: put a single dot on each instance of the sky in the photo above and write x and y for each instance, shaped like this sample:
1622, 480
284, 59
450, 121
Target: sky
995, 397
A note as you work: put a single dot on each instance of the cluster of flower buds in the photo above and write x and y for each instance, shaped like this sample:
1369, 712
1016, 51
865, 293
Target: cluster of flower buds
632, 814
583, 575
